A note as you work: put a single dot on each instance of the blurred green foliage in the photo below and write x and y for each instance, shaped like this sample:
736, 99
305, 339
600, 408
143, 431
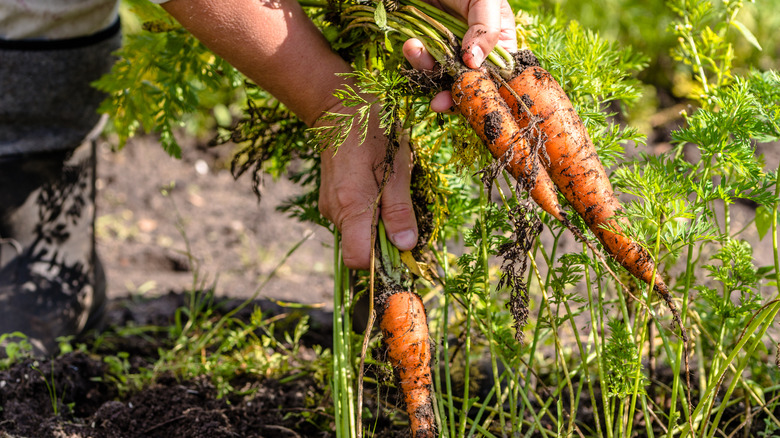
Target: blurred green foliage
644, 25
647, 26
165, 80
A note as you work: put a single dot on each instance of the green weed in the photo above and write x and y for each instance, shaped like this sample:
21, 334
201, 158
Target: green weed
16, 347
51, 388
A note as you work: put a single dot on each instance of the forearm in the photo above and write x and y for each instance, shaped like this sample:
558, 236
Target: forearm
273, 43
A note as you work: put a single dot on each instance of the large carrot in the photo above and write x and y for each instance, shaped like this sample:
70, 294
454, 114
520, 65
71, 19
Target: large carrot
405, 331
476, 96
404, 326
574, 166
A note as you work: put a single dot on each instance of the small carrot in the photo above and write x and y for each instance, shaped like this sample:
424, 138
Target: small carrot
476, 96
405, 331
574, 166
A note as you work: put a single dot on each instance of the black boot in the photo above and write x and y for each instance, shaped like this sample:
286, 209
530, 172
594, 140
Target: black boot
51, 281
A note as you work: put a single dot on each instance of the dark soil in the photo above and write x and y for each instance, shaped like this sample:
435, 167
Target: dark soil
168, 408
78, 395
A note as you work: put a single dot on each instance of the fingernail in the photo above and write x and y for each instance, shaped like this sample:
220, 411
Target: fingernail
406, 239
478, 55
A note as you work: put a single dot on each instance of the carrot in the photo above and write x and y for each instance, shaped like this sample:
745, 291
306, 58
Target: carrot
476, 96
574, 166
405, 332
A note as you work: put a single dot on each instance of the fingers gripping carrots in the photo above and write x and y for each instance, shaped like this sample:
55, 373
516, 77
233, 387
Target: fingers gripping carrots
405, 331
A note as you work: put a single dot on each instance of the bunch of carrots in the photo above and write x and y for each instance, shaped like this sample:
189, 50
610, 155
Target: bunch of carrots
528, 123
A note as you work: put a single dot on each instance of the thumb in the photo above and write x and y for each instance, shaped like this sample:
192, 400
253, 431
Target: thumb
484, 20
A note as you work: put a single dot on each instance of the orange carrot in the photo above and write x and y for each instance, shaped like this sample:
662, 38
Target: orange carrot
477, 98
574, 166
405, 331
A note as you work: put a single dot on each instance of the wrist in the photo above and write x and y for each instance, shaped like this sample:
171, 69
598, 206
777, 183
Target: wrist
335, 104
323, 99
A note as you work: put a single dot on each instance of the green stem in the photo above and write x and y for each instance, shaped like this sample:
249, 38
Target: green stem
767, 313
342, 387
444, 263
594, 317
313, 3
499, 56
532, 352
584, 355
454, 24
677, 364
699, 65
774, 231
561, 360
424, 26
483, 406
434, 28
644, 325
537, 423
492, 298
466, 406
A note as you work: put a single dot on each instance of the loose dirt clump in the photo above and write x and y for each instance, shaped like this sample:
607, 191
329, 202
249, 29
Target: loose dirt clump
186, 409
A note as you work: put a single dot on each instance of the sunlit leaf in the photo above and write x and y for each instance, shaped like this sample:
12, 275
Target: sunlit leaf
380, 15
747, 34
763, 220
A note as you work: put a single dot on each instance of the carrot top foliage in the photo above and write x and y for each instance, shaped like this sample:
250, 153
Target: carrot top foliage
595, 361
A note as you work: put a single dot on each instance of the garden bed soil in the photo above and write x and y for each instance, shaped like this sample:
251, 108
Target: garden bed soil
168, 408
77, 395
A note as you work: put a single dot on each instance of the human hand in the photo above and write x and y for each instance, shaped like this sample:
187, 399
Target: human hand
350, 186
491, 23
279, 56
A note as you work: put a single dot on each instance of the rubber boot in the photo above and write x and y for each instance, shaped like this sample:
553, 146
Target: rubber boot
51, 281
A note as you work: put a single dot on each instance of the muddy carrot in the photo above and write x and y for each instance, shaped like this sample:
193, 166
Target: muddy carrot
571, 160
476, 97
405, 331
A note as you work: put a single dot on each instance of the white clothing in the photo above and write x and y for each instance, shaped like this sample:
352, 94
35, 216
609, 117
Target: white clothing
55, 19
